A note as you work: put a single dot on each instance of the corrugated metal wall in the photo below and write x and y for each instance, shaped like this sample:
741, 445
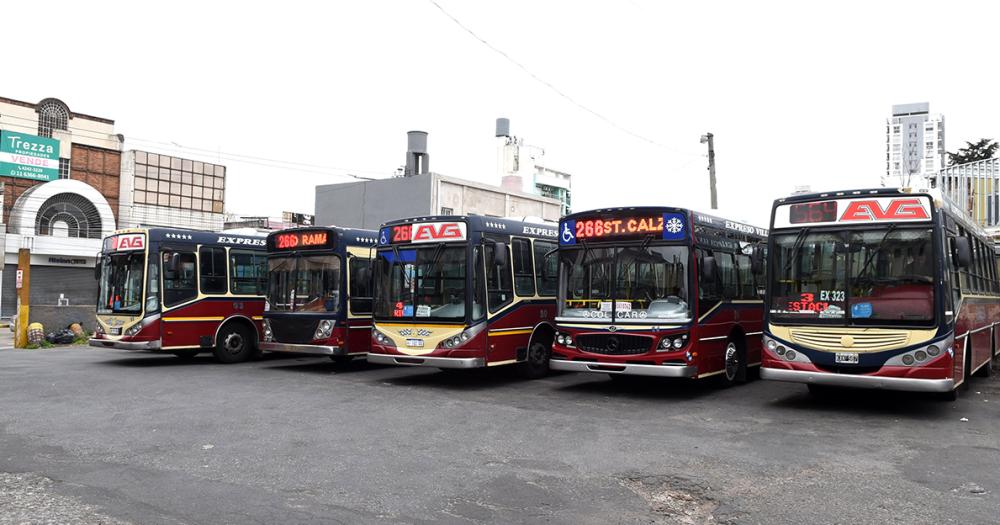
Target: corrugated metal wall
47, 282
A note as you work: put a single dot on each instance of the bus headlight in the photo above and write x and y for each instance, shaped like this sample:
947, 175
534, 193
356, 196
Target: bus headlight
679, 342
324, 329
134, 329
933, 351
772, 345
382, 339
462, 338
564, 339
268, 334
907, 359
920, 355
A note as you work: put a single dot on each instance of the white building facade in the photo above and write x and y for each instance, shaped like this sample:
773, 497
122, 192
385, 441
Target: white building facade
914, 145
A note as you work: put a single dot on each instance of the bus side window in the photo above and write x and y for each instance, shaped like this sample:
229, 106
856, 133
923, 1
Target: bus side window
546, 270
524, 278
179, 277
708, 291
747, 289
213, 270
153, 285
499, 289
361, 285
248, 272
727, 274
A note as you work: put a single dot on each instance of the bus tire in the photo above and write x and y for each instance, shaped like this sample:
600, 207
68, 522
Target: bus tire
734, 362
234, 344
536, 362
186, 355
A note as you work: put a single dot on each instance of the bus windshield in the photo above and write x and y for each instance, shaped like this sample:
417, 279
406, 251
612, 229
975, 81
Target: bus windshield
121, 283
426, 283
883, 276
641, 283
304, 283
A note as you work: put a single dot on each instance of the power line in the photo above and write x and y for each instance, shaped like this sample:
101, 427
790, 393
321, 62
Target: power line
549, 85
235, 157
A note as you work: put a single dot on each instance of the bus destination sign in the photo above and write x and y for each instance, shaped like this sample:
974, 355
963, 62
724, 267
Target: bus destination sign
666, 226
422, 232
301, 240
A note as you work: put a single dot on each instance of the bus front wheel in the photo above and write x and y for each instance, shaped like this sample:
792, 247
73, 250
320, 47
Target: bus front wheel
536, 365
234, 344
735, 363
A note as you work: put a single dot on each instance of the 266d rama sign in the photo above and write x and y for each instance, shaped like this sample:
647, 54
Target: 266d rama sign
28, 156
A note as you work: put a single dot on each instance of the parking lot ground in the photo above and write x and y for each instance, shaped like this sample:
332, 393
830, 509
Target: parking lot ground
99, 436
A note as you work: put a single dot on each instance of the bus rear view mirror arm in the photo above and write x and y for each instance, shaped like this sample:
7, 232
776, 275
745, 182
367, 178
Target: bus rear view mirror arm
499, 254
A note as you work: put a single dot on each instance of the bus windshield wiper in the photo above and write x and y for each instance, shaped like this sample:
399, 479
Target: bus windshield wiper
875, 252
800, 239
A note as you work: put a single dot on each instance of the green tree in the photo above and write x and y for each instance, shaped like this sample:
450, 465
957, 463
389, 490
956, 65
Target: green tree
980, 150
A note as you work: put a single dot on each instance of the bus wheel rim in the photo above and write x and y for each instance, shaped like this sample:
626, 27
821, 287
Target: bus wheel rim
732, 361
234, 343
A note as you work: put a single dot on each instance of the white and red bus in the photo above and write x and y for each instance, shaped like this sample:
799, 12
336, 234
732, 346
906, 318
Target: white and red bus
656, 291
882, 288
464, 292
319, 292
181, 292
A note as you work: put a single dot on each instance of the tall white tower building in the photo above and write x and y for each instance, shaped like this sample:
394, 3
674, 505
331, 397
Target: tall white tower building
914, 145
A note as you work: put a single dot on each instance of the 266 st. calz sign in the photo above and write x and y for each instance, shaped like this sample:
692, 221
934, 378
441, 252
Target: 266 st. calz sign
28, 156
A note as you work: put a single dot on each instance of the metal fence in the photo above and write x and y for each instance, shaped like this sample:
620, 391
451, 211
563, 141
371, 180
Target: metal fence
975, 187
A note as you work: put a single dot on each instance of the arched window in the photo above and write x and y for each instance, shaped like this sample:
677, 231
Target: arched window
52, 114
68, 215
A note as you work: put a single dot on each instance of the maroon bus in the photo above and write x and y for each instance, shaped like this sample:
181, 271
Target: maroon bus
464, 292
657, 291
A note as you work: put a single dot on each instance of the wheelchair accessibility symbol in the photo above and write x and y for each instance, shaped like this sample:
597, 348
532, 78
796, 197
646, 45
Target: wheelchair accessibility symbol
568, 235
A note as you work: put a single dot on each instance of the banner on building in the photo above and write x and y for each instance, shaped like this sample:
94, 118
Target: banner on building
297, 219
28, 156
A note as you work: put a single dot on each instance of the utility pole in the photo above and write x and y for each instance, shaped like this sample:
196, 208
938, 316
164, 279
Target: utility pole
710, 139
23, 285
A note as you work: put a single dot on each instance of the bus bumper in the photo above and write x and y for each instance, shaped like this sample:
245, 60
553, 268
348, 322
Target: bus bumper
682, 371
438, 362
125, 345
858, 381
289, 348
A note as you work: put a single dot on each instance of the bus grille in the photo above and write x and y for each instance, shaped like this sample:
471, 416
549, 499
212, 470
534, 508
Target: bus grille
614, 344
294, 331
860, 340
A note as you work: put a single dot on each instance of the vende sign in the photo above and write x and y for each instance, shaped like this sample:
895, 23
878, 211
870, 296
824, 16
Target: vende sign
28, 156
858, 210
127, 242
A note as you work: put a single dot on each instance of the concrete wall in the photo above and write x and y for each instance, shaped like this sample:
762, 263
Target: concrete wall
368, 204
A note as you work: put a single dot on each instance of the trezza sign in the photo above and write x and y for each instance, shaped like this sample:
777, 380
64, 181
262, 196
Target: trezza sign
423, 232
27, 156
863, 210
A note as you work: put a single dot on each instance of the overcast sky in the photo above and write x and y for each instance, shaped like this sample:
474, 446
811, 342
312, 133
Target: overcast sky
796, 93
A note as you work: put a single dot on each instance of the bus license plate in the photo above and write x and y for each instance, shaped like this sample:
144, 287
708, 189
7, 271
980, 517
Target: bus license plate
848, 358
115, 331
415, 343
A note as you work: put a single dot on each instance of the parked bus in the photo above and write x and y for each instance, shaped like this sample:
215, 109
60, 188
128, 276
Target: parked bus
658, 291
883, 288
464, 292
182, 292
319, 299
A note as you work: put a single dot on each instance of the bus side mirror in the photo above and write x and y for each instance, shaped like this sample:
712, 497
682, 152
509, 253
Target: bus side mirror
962, 251
499, 254
709, 269
757, 260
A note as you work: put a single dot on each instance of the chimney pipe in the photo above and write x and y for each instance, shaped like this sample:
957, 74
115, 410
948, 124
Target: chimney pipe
418, 161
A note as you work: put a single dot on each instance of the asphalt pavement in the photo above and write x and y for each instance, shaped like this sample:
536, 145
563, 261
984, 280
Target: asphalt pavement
102, 436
